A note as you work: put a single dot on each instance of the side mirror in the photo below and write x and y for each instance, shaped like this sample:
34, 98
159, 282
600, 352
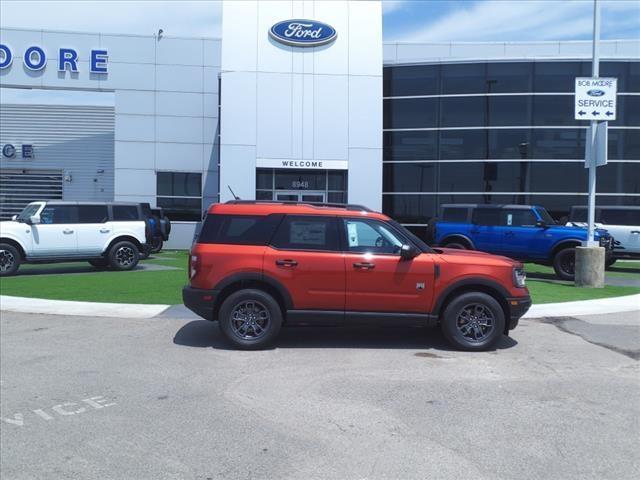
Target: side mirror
14, 218
541, 224
34, 219
408, 252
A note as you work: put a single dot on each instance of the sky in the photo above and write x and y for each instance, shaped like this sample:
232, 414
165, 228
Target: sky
403, 20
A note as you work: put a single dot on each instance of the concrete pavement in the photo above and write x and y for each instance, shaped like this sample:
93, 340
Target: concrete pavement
110, 398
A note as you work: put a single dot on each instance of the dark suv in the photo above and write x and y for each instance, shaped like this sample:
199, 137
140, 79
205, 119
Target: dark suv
259, 265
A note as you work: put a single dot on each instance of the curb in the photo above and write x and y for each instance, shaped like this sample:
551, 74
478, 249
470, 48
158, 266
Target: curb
628, 303
84, 309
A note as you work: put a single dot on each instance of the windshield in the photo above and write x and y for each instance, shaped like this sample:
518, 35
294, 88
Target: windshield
418, 243
28, 211
544, 215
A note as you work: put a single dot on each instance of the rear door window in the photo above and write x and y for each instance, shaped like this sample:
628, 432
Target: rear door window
125, 213
620, 216
92, 213
454, 214
307, 232
238, 229
487, 216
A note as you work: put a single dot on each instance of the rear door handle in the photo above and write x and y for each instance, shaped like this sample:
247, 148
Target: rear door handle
67, 231
635, 231
104, 230
286, 263
364, 265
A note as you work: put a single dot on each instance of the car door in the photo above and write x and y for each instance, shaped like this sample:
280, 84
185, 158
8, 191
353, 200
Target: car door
93, 229
487, 233
521, 235
55, 235
305, 258
624, 227
378, 280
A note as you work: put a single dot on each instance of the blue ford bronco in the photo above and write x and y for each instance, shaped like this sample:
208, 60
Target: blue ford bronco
523, 232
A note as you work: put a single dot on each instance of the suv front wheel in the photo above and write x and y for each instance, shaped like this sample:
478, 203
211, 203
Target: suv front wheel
123, 256
564, 263
9, 260
473, 321
250, 319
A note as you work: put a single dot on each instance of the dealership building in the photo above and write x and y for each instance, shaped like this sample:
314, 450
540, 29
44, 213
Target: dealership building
306, 102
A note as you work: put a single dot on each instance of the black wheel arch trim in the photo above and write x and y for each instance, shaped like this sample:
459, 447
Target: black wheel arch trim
562, 244
257, 277
456, 236
472, 282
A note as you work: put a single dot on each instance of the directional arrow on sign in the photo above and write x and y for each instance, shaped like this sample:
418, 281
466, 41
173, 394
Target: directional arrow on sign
609, 114
581, 113
594, 113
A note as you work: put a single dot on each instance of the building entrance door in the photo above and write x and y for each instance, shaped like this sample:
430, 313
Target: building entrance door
301, 196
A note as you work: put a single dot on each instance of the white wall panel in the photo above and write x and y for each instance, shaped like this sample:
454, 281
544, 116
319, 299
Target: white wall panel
365, 111
139, 102
179, 51
238, 108
239, 49
129, 48
135, 182
364, 60
139, 155
179, 156
487, 50
183, 129
306, 121
271, 55
179, 78
365, 177
128, 76
210, 130
331, 117
210, 79
83, 43
19, 40
179, 103
274, 115
210, 105
238, 171
212, 52
135, 128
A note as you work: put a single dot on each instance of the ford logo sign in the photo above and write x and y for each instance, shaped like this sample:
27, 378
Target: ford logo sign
303, 33
595, 93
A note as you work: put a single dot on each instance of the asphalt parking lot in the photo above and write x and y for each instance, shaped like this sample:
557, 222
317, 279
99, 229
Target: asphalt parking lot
110, 398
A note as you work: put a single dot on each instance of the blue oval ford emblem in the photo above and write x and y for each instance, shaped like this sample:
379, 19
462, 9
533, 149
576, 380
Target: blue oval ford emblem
303, 33
595, 93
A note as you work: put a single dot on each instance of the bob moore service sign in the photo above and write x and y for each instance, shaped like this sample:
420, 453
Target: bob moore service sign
303, 33
302, 164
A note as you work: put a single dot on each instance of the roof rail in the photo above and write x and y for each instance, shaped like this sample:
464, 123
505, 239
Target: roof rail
348, 206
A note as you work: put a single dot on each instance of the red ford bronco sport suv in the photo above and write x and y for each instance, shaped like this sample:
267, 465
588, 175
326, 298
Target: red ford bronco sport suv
257, 266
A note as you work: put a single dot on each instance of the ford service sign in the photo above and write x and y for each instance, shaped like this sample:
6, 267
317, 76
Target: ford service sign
303, 33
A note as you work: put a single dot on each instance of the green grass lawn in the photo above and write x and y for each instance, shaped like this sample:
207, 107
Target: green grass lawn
165, 287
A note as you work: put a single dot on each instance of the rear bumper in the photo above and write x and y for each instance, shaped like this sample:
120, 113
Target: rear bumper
518, 306
199, 301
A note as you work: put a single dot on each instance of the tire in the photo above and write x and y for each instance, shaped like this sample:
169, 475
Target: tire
246, 306
99, 262
457, 245
123, 256
474, 321
9, 260
564, 263
156, 245
609, 263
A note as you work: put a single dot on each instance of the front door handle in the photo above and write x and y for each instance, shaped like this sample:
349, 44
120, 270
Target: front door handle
67, 232
286, 263
104, 230
635, 231
364, 265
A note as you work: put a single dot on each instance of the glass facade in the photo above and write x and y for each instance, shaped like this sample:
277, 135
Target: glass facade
315, 186
501, 132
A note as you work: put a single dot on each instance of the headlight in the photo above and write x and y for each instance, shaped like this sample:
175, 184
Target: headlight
519, 277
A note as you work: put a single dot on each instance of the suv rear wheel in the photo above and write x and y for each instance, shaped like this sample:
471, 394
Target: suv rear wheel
9, 260
473, 321
123, 256
564, 263
250, 319
156, 245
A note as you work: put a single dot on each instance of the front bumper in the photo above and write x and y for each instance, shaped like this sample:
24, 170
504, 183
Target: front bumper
200, 301
518, 306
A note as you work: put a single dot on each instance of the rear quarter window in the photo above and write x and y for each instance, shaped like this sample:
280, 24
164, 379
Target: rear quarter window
238, 229
454, 214
125, 213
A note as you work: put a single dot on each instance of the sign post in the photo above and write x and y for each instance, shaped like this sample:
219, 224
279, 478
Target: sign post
595, 100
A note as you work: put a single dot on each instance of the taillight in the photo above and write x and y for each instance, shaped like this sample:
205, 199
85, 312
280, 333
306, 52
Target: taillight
194, 264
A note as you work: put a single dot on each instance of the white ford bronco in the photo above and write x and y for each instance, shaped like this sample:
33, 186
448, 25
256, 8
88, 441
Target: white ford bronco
105, 234
622, 222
